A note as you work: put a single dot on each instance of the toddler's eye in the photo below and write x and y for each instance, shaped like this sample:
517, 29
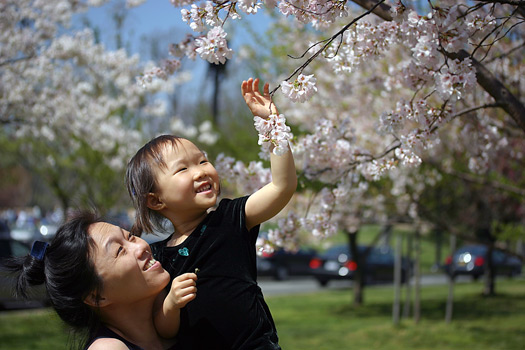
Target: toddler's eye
119, 250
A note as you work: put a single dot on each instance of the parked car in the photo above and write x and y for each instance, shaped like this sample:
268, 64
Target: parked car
10, 247
337, 263
25, 232
470, 260
5, 232
282, 264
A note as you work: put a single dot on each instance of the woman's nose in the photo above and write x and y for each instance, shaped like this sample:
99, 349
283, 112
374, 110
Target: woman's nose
141, 247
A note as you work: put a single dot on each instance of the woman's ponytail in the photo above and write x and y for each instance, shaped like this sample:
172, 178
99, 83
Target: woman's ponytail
67, 270
29, 270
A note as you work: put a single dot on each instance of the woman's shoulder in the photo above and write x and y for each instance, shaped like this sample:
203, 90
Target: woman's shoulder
108, 344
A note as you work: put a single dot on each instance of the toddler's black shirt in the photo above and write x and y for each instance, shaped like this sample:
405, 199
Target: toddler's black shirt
229, 311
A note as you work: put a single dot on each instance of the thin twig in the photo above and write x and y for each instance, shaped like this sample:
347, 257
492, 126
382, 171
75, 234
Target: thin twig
505, 54
328, 41
14, 60
509, 2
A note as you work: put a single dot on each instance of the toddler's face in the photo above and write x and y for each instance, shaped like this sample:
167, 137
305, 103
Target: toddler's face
189, 184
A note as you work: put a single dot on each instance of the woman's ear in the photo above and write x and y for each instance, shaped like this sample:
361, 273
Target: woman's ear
96, 301
154, 202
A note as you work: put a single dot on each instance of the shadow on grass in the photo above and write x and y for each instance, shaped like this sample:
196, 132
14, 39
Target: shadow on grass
466, 307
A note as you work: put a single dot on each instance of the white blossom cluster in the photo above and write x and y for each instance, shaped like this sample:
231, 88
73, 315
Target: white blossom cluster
198, 17
319, 222
247, 178
62, 88
274, 134
328, 153
385, 96
213, 47
163, 72
301, 89
317, 12
363, 42
203, 133
284, 235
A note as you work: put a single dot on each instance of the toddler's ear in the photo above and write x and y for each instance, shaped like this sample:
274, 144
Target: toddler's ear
154, 202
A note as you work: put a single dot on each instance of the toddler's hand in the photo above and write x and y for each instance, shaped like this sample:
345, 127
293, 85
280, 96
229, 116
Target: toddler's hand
260, 105
183, 289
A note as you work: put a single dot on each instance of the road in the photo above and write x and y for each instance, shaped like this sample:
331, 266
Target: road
308, 285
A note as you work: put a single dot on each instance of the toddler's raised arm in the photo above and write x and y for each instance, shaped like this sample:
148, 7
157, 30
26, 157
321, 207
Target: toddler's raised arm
273, 197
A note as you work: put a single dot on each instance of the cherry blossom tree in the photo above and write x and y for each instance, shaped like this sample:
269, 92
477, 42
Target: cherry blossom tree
373, 90
71, 104
381, 84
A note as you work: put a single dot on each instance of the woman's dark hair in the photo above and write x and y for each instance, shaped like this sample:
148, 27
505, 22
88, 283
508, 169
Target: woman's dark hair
140, 181
67, 271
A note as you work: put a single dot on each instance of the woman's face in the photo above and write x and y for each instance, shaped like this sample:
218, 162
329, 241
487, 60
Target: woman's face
125, 263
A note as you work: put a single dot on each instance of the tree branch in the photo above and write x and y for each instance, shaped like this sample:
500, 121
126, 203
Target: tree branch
509, 103
509, 2
13, 60
505, 54
482, 181
327, 42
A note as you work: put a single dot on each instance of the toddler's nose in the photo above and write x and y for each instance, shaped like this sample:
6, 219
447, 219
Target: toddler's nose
198, 174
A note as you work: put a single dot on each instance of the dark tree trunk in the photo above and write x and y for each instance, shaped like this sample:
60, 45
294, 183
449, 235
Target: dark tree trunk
358, 284
490, 286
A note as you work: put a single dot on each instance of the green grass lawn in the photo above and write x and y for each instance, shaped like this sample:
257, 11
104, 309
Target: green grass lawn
327, 320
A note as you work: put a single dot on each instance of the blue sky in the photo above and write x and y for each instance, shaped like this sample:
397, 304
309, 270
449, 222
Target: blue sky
158, 16
160, 19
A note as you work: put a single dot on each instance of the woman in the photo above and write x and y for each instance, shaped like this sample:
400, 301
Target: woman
105, 283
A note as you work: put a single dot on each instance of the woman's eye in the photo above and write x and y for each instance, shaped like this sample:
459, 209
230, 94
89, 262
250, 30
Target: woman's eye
204, 161
131, 237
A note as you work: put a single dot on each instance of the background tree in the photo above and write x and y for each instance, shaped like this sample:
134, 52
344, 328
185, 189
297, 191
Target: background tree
70, 105
392, 86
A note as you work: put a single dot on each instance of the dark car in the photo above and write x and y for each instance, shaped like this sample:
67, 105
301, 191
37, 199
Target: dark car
282, 264
337, 263
10, 247
470, 260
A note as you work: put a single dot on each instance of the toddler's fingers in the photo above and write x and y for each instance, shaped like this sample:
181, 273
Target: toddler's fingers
249, 85
187, 298
266, 89
244, 87
185, 277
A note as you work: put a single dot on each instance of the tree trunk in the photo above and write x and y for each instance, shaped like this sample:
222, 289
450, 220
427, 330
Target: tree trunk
490, 287
417, 277
396, 308
358, 284
439, 243
450, 298
216, 72
408, 296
